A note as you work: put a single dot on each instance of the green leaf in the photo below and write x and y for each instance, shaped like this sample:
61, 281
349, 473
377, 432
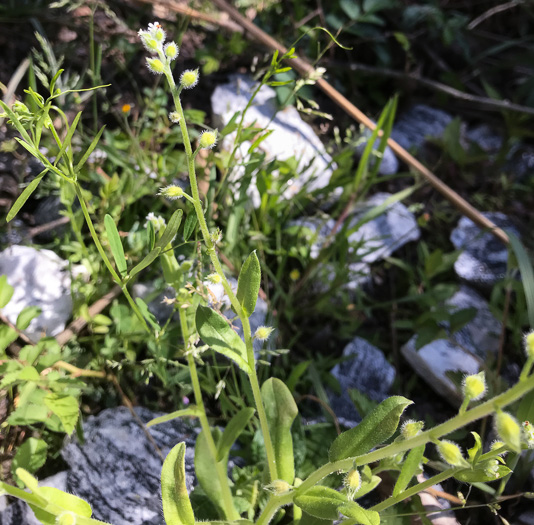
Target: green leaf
190, 225
28, 414
150, 317
90, 149
409, 469
176, 504
26, 316
476, 450
115, 244
170, 230
192, 411
527, 274
248, 284
525, 412
215, 331
350, 8
30, 456
321, 502
66, 408
67, 140
281, 411
16, 122
24, 196
359, 514
232, 431
484, 472
148, 259
6, 291
375, 428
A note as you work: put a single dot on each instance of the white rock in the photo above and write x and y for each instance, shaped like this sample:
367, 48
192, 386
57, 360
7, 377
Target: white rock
291, 136
39, 278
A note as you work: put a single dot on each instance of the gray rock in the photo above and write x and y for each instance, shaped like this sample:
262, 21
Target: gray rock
434, 360
366, 369
484, 330
381, 236
39, 279
390, 163
117, 469
419, 123
485, 138
291, 137
520, 162
484, 258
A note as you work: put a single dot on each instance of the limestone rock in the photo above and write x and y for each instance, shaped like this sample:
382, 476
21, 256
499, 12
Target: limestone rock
484, 258
364, 368
40, 279
291, 137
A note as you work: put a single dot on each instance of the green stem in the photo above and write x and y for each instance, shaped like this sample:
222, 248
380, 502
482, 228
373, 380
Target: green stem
269, 449
229, 509
105, 258
272, 507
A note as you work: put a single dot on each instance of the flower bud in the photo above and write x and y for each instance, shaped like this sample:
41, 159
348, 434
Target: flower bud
528, 433
496, 445
508, 430
452, 454
278, 487
529, 345
263, 333
294, 275
150, 43
155, 65
208, 139
174, 116
353, 481
66, 518
172, 192
156, 31
411, 428
214, 278
474, 386
171, 50
189, 78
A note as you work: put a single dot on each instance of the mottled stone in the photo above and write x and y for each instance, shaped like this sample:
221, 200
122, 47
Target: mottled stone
291, 136
39, 278
484, 258
364, 368
419, 123
117, 469
485, 138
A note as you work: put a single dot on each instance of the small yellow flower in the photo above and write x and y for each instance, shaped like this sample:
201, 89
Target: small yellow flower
294, 275
126, 108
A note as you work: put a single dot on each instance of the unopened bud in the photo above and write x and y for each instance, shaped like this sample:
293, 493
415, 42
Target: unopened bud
353, 481
529, 345
263, 333
508, 430
278, 487
452, 454
172, 192
174, 116
528, 432
155, 65
214, 278
189, 78
171, 50
150, 43
156, 31
411, 428
474, 386
208, 139
66, 518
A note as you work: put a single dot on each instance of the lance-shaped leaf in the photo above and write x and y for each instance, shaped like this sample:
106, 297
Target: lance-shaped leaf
147, 260
176, 505
281, 411
170, 230
6, 291
191, 411
409, 469
379, 425
90, 149
216, 332
115, 244
190, 225
484, 472
248, 284
235, 426
321, 502
24, 196
359, 515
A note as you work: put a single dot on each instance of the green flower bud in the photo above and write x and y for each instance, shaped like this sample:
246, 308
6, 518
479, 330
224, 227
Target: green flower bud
508, 430
66, 518
171, 50
528, 432
155, 65
474, 386
263, 333
214, 278
452, 454
189, 78
174, 116
529, 345
156, 31
208, 139
279, 487
172, 192
353, 482
411, 428
150, 43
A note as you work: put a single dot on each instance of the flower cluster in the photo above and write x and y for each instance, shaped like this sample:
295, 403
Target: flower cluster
153, 39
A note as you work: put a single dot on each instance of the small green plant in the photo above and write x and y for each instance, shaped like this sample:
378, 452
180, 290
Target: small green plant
375, 445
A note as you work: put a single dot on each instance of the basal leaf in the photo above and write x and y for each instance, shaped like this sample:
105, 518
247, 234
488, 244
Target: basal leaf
176, 504
216, 332
115, 244
375, 428
248, 284
281, 411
